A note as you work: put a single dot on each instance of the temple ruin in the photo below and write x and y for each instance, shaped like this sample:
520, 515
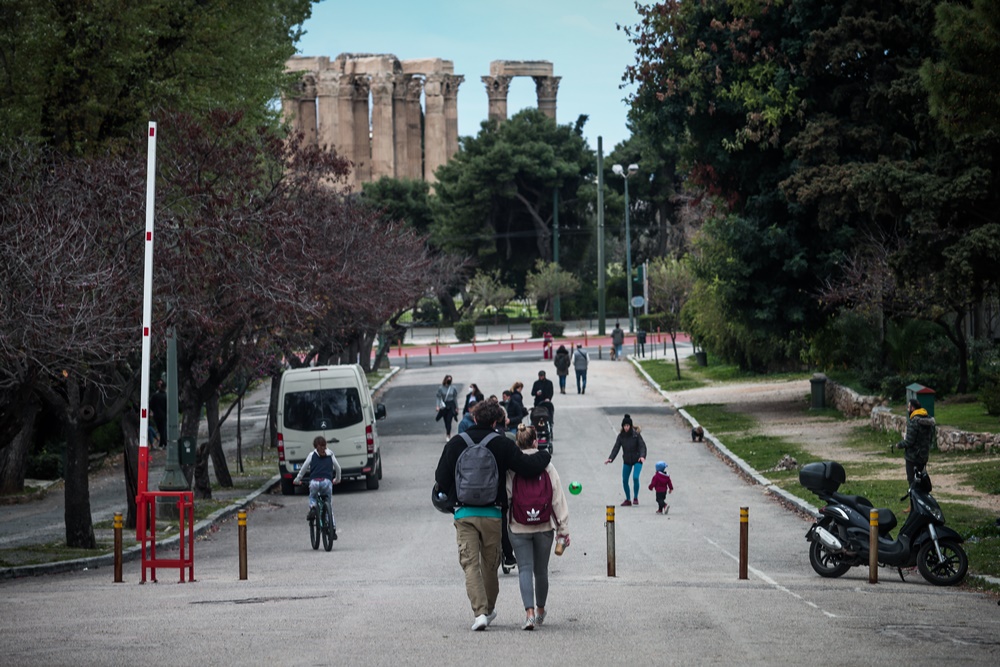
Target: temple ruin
393, 136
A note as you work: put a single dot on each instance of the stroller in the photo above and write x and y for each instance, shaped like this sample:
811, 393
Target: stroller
541, 419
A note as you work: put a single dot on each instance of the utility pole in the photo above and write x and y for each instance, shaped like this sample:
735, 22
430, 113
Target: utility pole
600, 237
556, 306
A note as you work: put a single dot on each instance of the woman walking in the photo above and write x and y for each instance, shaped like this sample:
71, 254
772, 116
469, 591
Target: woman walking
633, 449
562, 362
538, 513
447, 404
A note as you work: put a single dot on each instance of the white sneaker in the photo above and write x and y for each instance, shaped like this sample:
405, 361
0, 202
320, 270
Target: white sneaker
481, 622
490, 617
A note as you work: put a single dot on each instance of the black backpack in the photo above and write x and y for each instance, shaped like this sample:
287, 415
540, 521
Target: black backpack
476, 474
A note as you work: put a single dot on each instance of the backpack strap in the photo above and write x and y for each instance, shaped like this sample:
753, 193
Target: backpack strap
468, 438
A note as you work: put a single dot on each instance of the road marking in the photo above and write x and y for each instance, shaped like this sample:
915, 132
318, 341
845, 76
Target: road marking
769, 581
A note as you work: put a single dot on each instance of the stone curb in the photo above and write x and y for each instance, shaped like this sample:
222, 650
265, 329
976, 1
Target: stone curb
745, 468
134, 552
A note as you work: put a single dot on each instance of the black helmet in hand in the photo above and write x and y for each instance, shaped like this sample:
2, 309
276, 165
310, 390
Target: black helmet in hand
442, 502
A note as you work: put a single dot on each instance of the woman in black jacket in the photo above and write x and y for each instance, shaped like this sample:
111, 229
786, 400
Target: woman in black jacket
633, 449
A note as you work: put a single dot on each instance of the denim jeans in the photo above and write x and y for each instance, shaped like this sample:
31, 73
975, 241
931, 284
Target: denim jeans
631, 470
581, 381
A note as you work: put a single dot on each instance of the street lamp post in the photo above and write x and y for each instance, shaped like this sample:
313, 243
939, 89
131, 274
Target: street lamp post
619, 171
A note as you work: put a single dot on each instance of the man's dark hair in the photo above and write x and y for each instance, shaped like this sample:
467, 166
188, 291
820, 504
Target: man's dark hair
487, 413
913, 404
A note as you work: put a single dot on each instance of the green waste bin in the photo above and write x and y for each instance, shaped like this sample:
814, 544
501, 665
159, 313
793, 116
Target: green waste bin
818, 385
924, 396
185, 450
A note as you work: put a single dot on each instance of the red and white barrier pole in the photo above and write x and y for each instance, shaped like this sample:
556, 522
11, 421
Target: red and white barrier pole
147, 312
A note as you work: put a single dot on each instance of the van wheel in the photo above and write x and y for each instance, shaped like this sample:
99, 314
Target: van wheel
287, 488
371, 481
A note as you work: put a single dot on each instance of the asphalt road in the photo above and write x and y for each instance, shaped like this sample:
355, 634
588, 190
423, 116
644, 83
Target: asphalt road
391, 591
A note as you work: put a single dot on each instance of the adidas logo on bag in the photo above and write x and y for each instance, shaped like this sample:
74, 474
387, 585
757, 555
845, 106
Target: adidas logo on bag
533, 514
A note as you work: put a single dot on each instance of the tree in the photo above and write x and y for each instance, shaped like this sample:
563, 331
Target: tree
487, 291
494, 198
670, 285
71, 301
548, 281
78, 75
961, 78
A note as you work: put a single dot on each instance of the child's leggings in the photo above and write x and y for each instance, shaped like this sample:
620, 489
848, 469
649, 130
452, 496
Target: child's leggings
631, 469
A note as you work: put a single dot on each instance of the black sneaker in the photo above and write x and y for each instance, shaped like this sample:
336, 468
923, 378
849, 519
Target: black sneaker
334, 532
509, 562
312, 513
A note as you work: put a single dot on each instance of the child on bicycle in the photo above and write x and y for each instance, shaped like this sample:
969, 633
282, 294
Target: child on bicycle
324, 472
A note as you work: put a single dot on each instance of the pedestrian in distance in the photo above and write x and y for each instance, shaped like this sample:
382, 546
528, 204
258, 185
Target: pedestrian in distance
562, 362
633, 449
662, 485
474, 396
542, 390
447, 405
916, 445
539, 514
324, 471
580, 361
617, 340
475, 481
513, 403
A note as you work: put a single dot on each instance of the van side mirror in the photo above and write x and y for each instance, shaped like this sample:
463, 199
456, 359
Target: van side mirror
379, 411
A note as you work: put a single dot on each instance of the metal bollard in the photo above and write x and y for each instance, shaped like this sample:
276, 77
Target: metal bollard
242, 521
873, 546
744, 539
609, 524
600, 351
430, 358
406, 361
118, 547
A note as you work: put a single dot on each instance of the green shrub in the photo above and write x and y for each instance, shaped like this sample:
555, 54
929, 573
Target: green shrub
465, 331
107, 439
428, 310
539, 327
653, 322
46, 464
989, 394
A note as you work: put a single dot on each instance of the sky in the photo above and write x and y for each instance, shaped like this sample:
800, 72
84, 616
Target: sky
579, 37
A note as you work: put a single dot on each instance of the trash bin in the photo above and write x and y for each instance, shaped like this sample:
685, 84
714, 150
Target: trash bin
924, 395
186, 450
701, 357
818, 384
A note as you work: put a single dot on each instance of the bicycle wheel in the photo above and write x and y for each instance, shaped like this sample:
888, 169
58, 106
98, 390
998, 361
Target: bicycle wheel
314, 528
327, 528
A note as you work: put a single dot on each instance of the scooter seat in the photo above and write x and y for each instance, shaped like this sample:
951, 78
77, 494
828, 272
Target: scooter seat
886, 519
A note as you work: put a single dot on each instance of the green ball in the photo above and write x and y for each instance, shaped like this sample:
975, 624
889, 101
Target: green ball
575, 488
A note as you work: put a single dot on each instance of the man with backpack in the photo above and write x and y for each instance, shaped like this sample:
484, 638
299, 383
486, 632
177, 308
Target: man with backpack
472, 472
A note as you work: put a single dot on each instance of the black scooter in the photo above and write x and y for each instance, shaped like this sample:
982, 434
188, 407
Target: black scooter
839, 540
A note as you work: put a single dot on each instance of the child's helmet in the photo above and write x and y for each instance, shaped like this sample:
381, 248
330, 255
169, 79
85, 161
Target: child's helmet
661, 466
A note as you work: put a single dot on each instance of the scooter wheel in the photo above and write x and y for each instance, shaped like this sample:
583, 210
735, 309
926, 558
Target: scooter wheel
825, 563
948, 570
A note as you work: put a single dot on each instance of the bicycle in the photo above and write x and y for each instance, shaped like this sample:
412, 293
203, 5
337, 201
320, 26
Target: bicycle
321, 524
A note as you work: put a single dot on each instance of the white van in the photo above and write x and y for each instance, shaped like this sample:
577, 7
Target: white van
334, 402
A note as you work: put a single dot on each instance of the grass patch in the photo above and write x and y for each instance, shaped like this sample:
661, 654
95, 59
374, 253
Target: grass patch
716, 419
665, 375
966, 416
37, 554
763, 452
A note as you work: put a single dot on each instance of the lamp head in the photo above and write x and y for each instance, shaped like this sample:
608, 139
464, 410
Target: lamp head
617, 169
633, 169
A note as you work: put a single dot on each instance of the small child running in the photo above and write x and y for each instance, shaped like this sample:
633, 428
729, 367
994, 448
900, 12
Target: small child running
662, 485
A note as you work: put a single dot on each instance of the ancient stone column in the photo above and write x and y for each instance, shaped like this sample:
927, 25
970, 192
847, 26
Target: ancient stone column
546, 88
435, 132
327, 109
383, 142
451, 84
345, 118
496, 91
401, 166
414, 130
307, 110
362, 131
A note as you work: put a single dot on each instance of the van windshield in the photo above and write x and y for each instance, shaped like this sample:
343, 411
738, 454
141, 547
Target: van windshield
322, 409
